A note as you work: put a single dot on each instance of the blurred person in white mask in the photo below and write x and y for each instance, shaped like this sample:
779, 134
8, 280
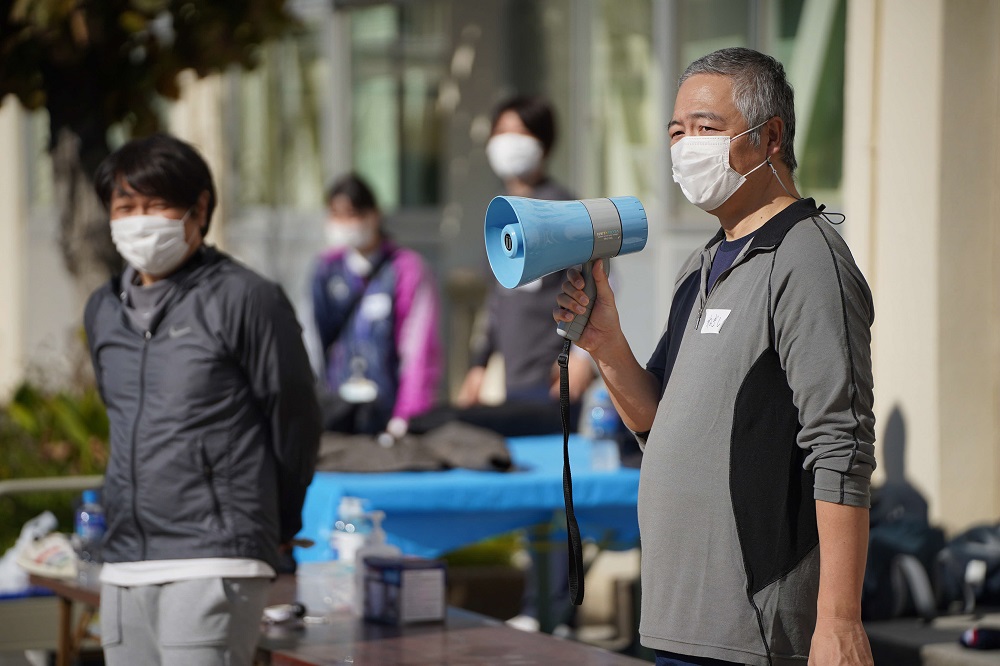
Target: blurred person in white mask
518, 326
518, 322
375, 306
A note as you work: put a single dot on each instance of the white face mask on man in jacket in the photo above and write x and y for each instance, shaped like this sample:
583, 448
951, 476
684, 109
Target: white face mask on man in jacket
152, 244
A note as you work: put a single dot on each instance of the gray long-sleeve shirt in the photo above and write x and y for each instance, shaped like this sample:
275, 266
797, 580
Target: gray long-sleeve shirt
766, 407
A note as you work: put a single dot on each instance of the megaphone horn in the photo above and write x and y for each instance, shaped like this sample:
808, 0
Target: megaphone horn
529, 238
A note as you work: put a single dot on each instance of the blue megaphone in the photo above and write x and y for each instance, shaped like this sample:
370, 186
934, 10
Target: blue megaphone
529, 238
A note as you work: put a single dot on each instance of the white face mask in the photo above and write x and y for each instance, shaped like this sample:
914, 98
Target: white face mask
701, 167
349, 235
514, 155
152, 244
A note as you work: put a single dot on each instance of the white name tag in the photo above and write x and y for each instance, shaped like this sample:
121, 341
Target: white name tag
714, 319
376, 306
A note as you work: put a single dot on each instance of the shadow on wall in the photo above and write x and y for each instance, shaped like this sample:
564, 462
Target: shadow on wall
902, 544
894, 447
903, 495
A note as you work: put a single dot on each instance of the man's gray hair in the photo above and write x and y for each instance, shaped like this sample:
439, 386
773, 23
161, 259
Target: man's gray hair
760, 91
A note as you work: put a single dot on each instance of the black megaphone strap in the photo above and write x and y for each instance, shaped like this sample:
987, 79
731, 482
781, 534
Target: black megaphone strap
572, 529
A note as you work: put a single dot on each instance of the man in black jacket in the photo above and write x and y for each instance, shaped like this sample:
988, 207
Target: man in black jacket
214, 421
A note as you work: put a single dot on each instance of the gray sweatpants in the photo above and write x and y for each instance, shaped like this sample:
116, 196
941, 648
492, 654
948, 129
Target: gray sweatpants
199, 622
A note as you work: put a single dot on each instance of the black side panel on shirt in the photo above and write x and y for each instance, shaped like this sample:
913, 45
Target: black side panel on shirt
662, 360
775, 521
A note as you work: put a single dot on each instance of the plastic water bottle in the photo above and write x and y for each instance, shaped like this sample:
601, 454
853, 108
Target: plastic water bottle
604, 425
89, 527
351, 529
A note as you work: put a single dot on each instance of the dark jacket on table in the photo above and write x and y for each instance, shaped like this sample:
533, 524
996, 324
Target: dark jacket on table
213, 416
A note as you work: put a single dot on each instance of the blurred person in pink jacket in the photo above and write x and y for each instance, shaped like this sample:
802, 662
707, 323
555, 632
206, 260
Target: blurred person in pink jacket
376, 309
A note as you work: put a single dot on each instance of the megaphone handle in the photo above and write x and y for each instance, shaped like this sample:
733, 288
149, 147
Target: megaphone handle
574, 329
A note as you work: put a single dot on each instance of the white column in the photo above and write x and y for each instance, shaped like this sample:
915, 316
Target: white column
197, 117
13, 212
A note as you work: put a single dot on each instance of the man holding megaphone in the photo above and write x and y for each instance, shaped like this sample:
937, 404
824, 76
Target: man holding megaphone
755, 409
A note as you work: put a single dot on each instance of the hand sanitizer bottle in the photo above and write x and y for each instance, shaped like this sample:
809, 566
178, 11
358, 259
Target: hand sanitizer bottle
375, 546
351, 530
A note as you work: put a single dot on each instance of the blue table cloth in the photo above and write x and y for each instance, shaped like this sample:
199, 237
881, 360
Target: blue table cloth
431, 513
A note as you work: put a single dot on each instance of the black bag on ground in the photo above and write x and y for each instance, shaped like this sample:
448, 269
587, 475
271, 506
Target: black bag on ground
968, 570
902, 547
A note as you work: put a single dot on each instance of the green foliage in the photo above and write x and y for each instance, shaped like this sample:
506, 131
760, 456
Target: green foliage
496, 551
48, 434
95, 64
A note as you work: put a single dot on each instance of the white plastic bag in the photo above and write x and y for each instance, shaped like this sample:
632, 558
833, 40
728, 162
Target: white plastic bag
13, 579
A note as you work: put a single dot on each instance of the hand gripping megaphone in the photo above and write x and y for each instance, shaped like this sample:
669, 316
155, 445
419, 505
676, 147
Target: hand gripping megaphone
529, 238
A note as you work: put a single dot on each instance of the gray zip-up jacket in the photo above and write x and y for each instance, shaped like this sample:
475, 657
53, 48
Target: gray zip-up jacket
214, 420
766, 407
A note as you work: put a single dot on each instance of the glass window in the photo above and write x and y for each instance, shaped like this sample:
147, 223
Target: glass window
624, 68
274, 119
819, 101
808, 37
398, 57
536, 60
704, 26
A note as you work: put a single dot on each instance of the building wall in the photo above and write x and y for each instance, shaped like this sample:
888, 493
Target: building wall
967, 253
920, 180
921, 175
